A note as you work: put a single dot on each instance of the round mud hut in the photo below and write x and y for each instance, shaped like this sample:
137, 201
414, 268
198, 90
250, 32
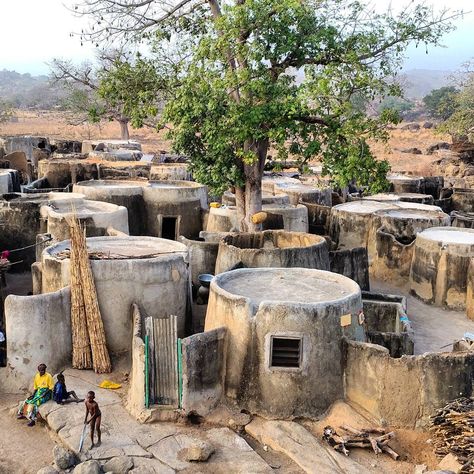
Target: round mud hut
272, 248
145, 270
97, 217
284, 329
395, 230
128, 194
440, 264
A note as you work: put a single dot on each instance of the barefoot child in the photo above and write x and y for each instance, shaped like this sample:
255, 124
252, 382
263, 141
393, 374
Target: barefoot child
60, 393
92, 409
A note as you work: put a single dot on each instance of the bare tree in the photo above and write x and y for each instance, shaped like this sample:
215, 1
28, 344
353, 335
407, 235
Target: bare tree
82, 82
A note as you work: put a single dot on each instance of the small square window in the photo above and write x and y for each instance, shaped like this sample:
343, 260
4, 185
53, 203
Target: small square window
285, 352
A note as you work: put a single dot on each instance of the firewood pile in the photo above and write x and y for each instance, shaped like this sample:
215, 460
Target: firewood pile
453, 432
376, 439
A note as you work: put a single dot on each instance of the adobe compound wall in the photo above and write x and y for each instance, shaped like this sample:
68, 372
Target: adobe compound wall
404, 392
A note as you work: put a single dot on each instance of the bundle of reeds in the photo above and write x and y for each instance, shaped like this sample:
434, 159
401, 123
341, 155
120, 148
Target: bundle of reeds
81, 346
85, 286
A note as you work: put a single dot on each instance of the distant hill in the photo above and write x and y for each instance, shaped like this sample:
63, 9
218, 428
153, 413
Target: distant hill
27, 91
419, 82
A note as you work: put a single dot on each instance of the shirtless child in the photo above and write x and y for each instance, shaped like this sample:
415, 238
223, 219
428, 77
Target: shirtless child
92, 409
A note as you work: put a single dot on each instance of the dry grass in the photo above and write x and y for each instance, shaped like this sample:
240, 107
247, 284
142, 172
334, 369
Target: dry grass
408, 162
54, 125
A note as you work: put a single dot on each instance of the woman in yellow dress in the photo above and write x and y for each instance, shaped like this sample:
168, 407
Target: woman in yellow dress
42, 390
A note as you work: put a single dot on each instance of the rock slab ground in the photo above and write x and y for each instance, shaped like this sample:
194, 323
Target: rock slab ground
152, 448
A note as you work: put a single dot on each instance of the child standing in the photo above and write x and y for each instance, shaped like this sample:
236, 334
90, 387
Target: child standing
92, 409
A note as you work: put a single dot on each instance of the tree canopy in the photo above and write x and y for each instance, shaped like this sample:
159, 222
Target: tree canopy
441, 103
247, 76
460, 123
117, 88
6, 111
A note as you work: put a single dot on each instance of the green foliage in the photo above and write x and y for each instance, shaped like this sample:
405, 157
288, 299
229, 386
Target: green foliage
289, 75
399, 105
220, 112
130, 88
6, 111
461, 122
441, 103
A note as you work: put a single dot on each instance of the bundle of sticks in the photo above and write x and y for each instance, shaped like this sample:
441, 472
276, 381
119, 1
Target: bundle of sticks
89, 349
453, 432
372, 438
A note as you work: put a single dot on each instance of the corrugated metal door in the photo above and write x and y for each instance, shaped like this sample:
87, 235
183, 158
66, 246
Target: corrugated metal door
163, 378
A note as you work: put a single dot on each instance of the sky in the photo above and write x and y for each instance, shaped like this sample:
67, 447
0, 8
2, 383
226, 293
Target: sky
32, 32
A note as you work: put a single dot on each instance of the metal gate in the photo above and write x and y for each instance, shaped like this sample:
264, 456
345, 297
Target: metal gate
163, 362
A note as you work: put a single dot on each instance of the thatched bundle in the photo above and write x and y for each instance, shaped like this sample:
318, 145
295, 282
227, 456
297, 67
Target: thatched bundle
88, 335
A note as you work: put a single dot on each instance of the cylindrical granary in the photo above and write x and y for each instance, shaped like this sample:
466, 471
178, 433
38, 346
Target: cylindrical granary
404, 224
170, 171
350, 223
295, 218
228, 198
21, 222
463, 200
122, 193
299, 192
284, 330
272, 248
61, 172
439, 267
390, 252
406, 184
174, 208
462, 219
95, 216
148, 271
224, 219
202, 255
404, 197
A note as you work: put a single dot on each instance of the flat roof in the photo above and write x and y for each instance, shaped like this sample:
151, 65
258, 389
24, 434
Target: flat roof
449, 235
294, 285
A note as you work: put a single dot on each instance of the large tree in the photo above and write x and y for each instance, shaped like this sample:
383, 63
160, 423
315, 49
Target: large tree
6, 111
460, 123
115, 87
441, 103
255, 75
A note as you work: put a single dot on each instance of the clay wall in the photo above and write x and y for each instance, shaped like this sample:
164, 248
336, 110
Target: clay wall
403, 392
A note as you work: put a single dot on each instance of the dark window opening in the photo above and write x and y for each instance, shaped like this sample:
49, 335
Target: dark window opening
285, 352
168, 228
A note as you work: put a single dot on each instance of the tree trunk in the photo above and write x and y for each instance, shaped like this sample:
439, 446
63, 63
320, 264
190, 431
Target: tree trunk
124, 134
249, 199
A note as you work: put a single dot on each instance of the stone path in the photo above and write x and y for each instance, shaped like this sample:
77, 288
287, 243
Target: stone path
434, 327
153, 447
302, 447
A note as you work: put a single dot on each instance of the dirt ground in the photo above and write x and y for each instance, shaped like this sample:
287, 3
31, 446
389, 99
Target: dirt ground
23, 450
412, 446
54, 125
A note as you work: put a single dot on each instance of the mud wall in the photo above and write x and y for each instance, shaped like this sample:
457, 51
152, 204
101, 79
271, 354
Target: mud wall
38, 330
352, 263
404, 392
272, 249
203, 370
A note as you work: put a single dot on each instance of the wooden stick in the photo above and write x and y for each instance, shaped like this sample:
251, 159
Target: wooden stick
390, 452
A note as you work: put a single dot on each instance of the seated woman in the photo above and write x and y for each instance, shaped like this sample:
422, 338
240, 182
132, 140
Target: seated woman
60, 393
42, 391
